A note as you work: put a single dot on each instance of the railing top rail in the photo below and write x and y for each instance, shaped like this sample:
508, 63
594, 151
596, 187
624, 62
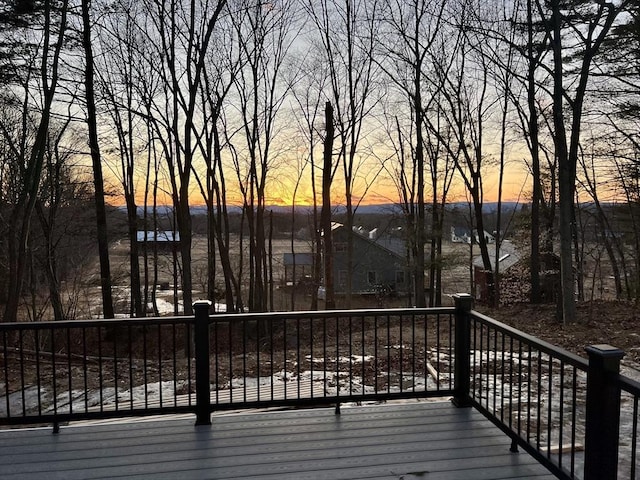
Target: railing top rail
556, 352
373, 312
629, 385
222, 317
96, 322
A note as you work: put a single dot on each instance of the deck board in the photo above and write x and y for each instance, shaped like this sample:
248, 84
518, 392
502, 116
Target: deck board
422, 440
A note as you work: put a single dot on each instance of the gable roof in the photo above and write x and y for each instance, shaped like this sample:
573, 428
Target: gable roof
509, 256
162, 236
391, 245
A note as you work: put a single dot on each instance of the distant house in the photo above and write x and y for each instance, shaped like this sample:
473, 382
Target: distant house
378, 262
507, 258
460, 235
164, 240
298, 264
463, 235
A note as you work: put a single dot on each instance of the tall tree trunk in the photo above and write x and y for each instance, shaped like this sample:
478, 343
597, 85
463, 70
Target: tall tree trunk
325, 216
51, 269
270, 262
565, 178
293, 254
211, 250
20, 219
136, 308
98, 182
419, 282
185, 229
534, 264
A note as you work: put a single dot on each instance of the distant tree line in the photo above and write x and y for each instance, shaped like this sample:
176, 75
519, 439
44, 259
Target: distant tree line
244, 103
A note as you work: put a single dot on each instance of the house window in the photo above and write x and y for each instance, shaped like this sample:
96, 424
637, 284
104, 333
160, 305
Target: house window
340, 247
400, 277
342, 277
372, 278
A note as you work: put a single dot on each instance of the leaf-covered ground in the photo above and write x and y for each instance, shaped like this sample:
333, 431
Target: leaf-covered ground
615, 323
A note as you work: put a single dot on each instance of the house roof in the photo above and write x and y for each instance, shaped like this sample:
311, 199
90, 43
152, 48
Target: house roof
465, 232
161, 236
509, 256
461, 231
393, 245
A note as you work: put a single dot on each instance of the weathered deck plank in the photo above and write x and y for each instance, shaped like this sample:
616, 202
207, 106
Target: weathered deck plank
304, 388
409, 441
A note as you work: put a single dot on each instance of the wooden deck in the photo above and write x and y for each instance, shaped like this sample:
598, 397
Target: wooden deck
422, 440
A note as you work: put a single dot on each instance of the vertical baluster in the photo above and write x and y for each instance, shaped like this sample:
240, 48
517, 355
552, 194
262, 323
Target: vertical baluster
174, 363
376, 364
574, 408
363, 352
85, 373
131, 369
298, 359
38, 373
634, 437
69, 372
7, 384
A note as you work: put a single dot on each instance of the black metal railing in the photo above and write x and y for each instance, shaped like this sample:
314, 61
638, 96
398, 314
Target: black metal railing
532, 390
562, 409
577, 417
328, 357
64, 371
628, 430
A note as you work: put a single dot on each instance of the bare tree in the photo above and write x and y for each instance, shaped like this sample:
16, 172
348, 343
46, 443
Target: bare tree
265, 36
47, 208
346, 32
466, 105
116, 75
608, 239
96, 160
325, 216
308, 96
497, 44
42, 75
223, 64
411, 32
589, 24
182, 34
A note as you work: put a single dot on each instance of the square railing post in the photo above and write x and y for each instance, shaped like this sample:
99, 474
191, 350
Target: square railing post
203, 385
602, 423
462, 349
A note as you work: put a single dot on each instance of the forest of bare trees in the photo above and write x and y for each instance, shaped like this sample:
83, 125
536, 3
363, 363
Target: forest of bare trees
145, 104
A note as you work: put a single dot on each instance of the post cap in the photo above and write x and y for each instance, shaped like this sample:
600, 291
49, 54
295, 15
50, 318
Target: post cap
461, 295
201, 303
463, 301
604, 350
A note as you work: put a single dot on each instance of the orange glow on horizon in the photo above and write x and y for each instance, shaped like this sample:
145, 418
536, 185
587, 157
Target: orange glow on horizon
283, 193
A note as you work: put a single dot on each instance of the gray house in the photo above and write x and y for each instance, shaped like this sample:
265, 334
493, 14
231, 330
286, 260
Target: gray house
378, 262
165, 240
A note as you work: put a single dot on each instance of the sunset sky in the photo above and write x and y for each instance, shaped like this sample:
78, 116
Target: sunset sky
381, 190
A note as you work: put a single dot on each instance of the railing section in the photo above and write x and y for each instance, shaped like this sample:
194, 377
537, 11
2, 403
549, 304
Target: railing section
330, 357
58, 371
564, 410
52, 372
